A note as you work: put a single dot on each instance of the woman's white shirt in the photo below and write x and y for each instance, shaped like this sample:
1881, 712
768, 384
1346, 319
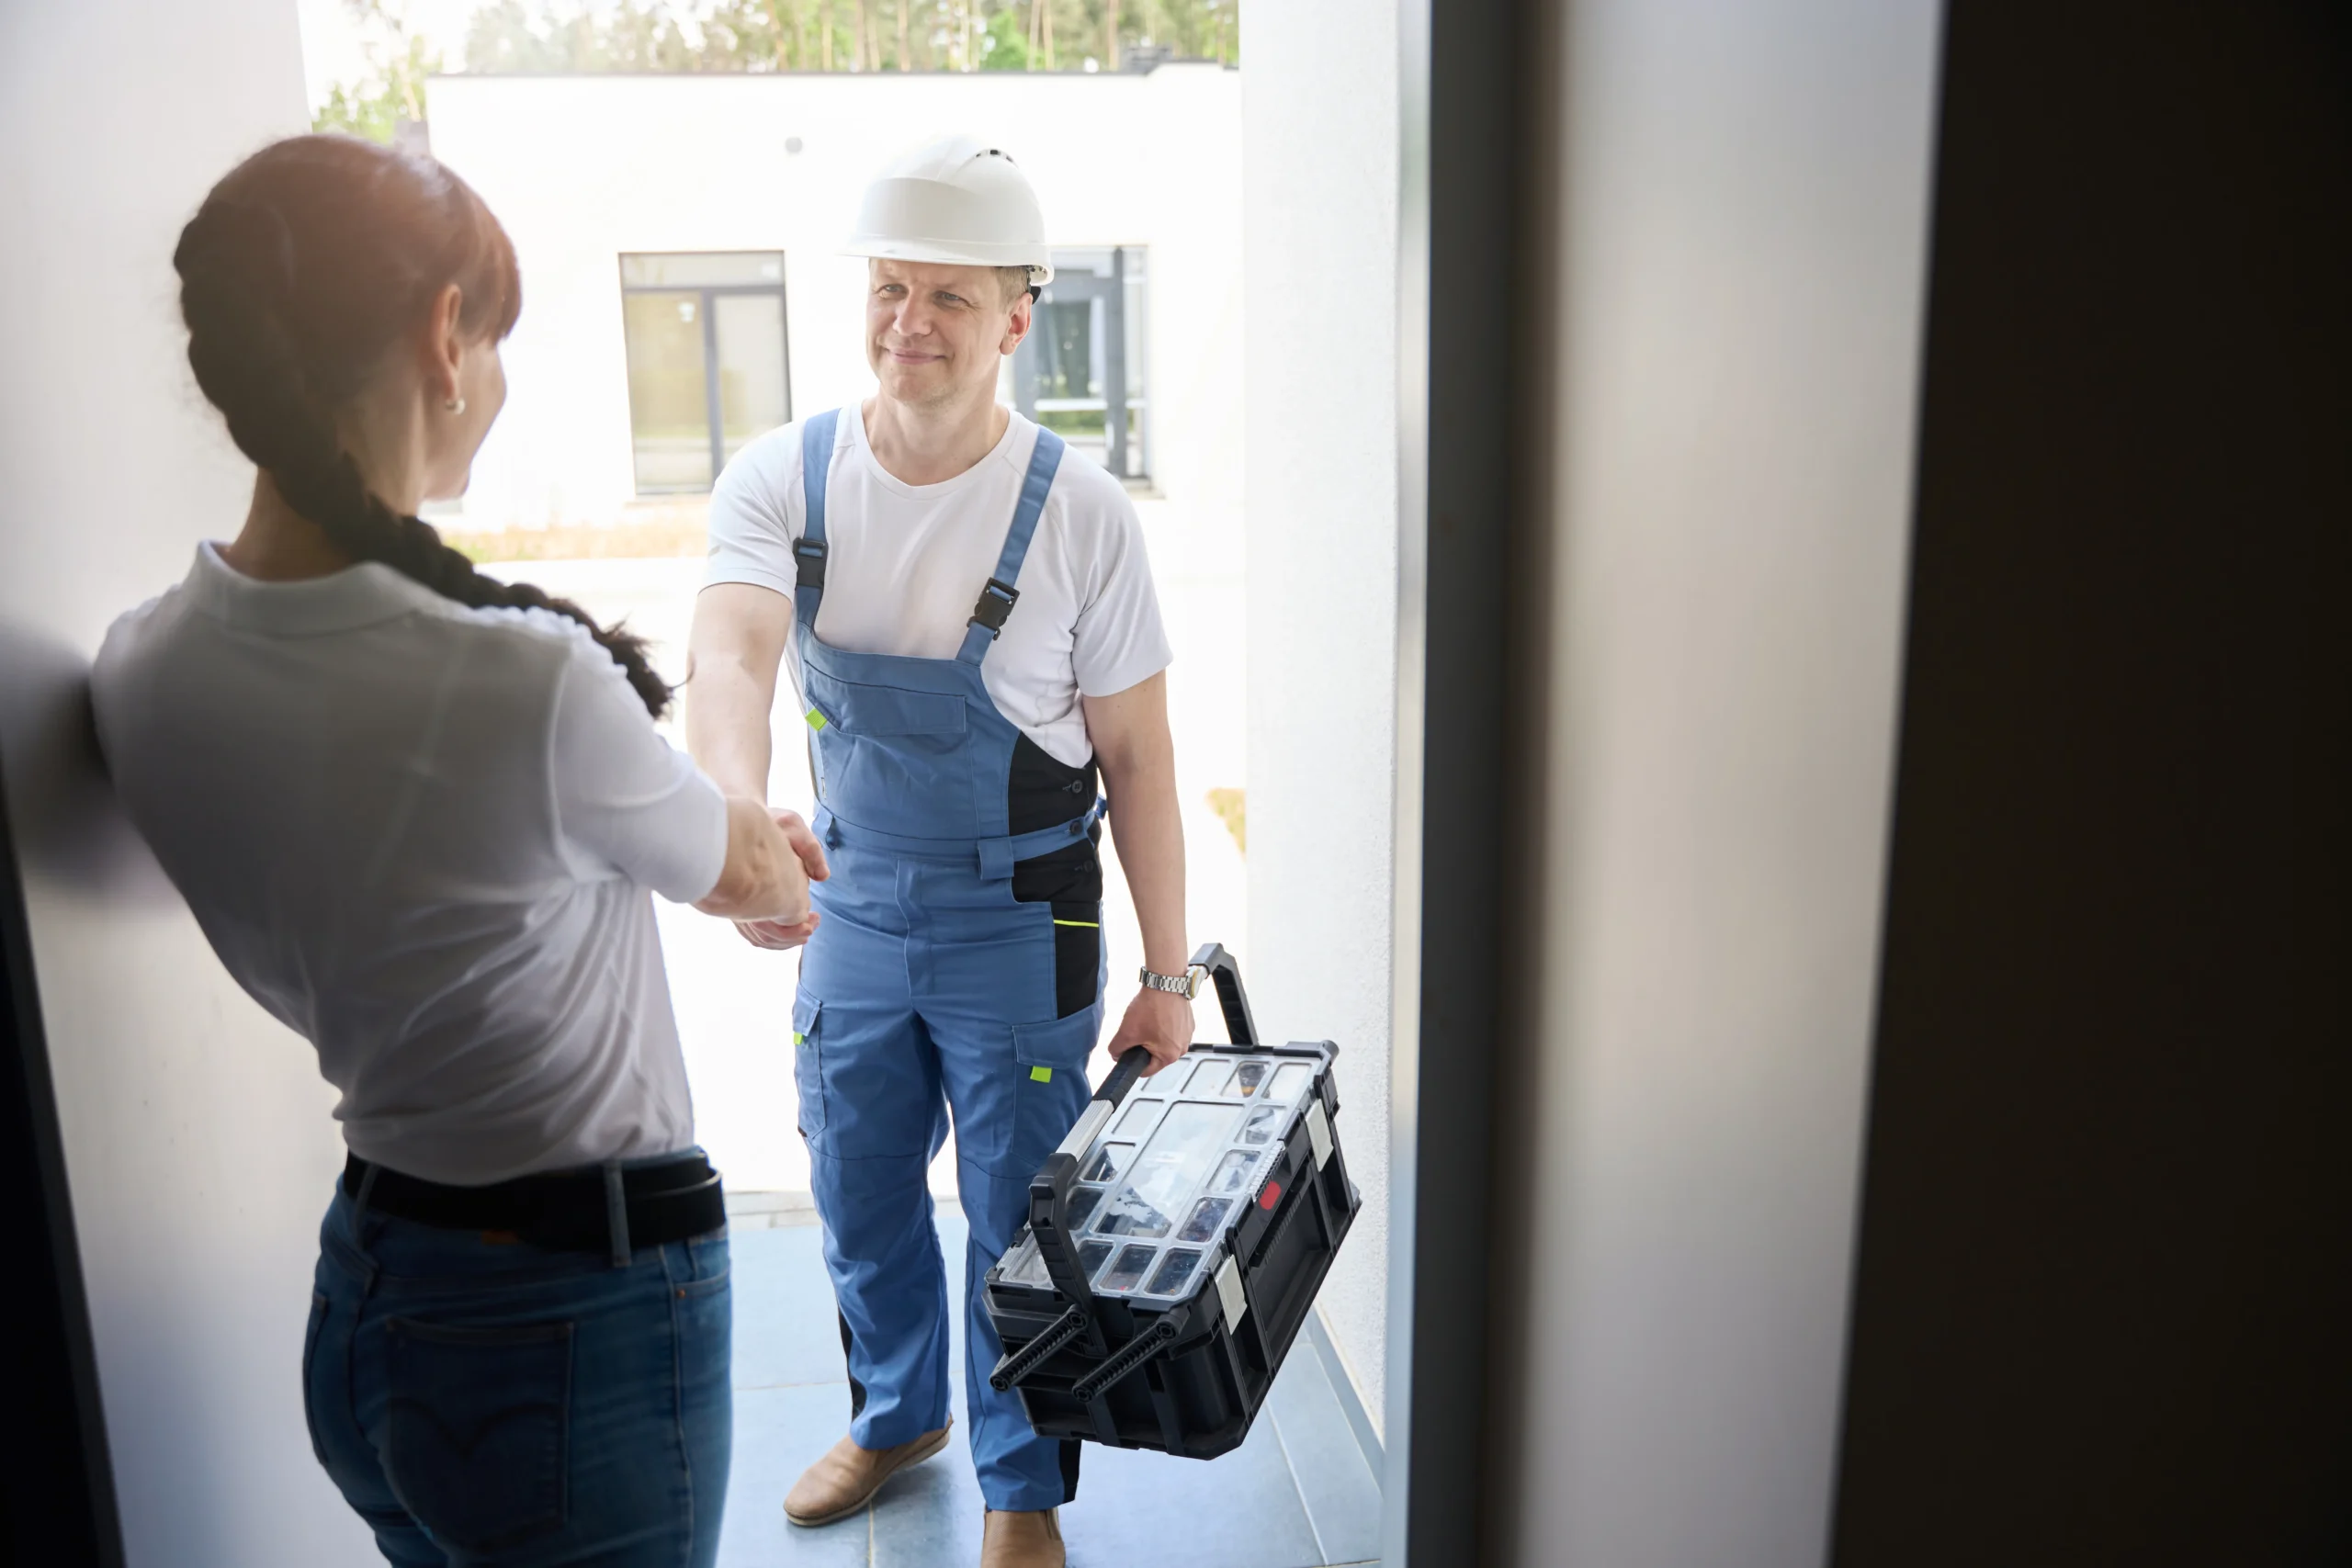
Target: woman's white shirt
423, 837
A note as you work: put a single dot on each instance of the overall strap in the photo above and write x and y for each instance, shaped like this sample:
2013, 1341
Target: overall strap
996, 599
809, 550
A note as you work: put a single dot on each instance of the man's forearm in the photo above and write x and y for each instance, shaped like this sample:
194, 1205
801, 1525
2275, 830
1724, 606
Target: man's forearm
1148, 831
727, 728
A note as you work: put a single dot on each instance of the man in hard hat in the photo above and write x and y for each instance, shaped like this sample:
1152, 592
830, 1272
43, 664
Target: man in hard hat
975, 642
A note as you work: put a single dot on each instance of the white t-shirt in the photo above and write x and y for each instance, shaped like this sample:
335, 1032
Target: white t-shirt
906, 563
421, 835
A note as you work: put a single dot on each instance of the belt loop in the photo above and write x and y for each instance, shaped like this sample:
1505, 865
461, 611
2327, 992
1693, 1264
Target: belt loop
617, 1214
359, 1199
361, 1261
996, 859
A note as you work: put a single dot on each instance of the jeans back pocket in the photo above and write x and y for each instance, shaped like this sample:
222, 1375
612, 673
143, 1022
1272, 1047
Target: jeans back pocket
477, 1429
311, 1400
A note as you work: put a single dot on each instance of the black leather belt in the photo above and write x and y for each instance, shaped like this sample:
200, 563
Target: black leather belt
566, 1211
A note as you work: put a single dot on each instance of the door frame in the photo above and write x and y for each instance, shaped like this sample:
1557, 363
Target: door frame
1462, 354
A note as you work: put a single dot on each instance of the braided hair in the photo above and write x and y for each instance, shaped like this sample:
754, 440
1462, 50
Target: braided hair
303, 269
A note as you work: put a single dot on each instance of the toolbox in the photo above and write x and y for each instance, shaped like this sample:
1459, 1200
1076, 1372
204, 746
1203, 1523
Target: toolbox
1175, 1242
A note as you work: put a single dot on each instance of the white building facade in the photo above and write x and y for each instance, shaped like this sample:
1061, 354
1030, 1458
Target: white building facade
682, 288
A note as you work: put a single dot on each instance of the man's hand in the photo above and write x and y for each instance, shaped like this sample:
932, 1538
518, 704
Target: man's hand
1159, 1021
778, 935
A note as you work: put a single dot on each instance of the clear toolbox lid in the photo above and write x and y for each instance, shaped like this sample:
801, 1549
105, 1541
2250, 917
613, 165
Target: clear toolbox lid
1169, 1177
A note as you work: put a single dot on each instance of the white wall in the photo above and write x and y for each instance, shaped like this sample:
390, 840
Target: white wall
197, 1131
584, 169
1739, 228
1319, 103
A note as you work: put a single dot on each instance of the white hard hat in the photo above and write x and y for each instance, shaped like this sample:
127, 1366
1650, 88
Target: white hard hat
956, 200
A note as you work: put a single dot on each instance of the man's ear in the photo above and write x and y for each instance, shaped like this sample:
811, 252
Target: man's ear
1017, 327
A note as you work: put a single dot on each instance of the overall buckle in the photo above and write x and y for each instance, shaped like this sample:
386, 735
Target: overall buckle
811, 555
996, 604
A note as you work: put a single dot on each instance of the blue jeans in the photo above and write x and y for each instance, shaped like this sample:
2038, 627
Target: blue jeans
482, 1403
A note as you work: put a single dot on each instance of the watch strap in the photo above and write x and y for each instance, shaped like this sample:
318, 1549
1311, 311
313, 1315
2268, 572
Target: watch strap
1187, 984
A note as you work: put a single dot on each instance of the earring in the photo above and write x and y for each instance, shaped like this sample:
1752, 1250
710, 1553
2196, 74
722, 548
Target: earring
456, 405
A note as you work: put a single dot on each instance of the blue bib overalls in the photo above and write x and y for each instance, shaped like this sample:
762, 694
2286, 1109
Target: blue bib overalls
957, 968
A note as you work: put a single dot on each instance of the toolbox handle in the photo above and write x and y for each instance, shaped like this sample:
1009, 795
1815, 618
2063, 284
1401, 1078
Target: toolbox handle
1129, 1068
1049, 1189
1235, 1002
1049, 1219
1015, 1365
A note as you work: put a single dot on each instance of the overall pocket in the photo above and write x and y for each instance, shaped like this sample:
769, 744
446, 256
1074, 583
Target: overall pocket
477, 1429
1050, 1061
808, 1062
854, 709
1078, 955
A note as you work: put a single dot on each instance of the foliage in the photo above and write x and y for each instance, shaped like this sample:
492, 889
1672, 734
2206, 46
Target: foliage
393, 88
524, 36
510, 36
1005, 46
1232, 806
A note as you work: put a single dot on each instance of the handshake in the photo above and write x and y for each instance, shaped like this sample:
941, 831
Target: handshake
772, 857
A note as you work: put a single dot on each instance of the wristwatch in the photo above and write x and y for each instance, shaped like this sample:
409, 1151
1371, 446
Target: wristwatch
1187, 984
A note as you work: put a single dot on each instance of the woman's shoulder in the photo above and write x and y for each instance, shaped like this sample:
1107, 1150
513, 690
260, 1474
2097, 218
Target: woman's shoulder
536, 644
138, 640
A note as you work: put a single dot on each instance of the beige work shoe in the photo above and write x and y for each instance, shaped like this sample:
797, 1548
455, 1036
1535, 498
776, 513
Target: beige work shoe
846, 1478
1021, 1540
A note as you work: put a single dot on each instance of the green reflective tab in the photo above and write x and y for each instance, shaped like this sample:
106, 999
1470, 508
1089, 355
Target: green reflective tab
816, 719
1042, 1075
799, 1038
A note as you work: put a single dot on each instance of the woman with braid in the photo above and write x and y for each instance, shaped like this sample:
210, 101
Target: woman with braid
420, 813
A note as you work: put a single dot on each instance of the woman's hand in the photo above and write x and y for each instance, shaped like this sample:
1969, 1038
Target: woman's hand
1159, 1021
778, 935
772, 857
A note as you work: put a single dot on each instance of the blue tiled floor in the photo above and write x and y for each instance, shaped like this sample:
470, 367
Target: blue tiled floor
1297, 1494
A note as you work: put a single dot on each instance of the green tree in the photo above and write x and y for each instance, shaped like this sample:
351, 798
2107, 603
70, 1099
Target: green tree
1004, 44
749, 33
523, 37
1065, 34
1196, 30
502, 40
392, 89
510, 36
